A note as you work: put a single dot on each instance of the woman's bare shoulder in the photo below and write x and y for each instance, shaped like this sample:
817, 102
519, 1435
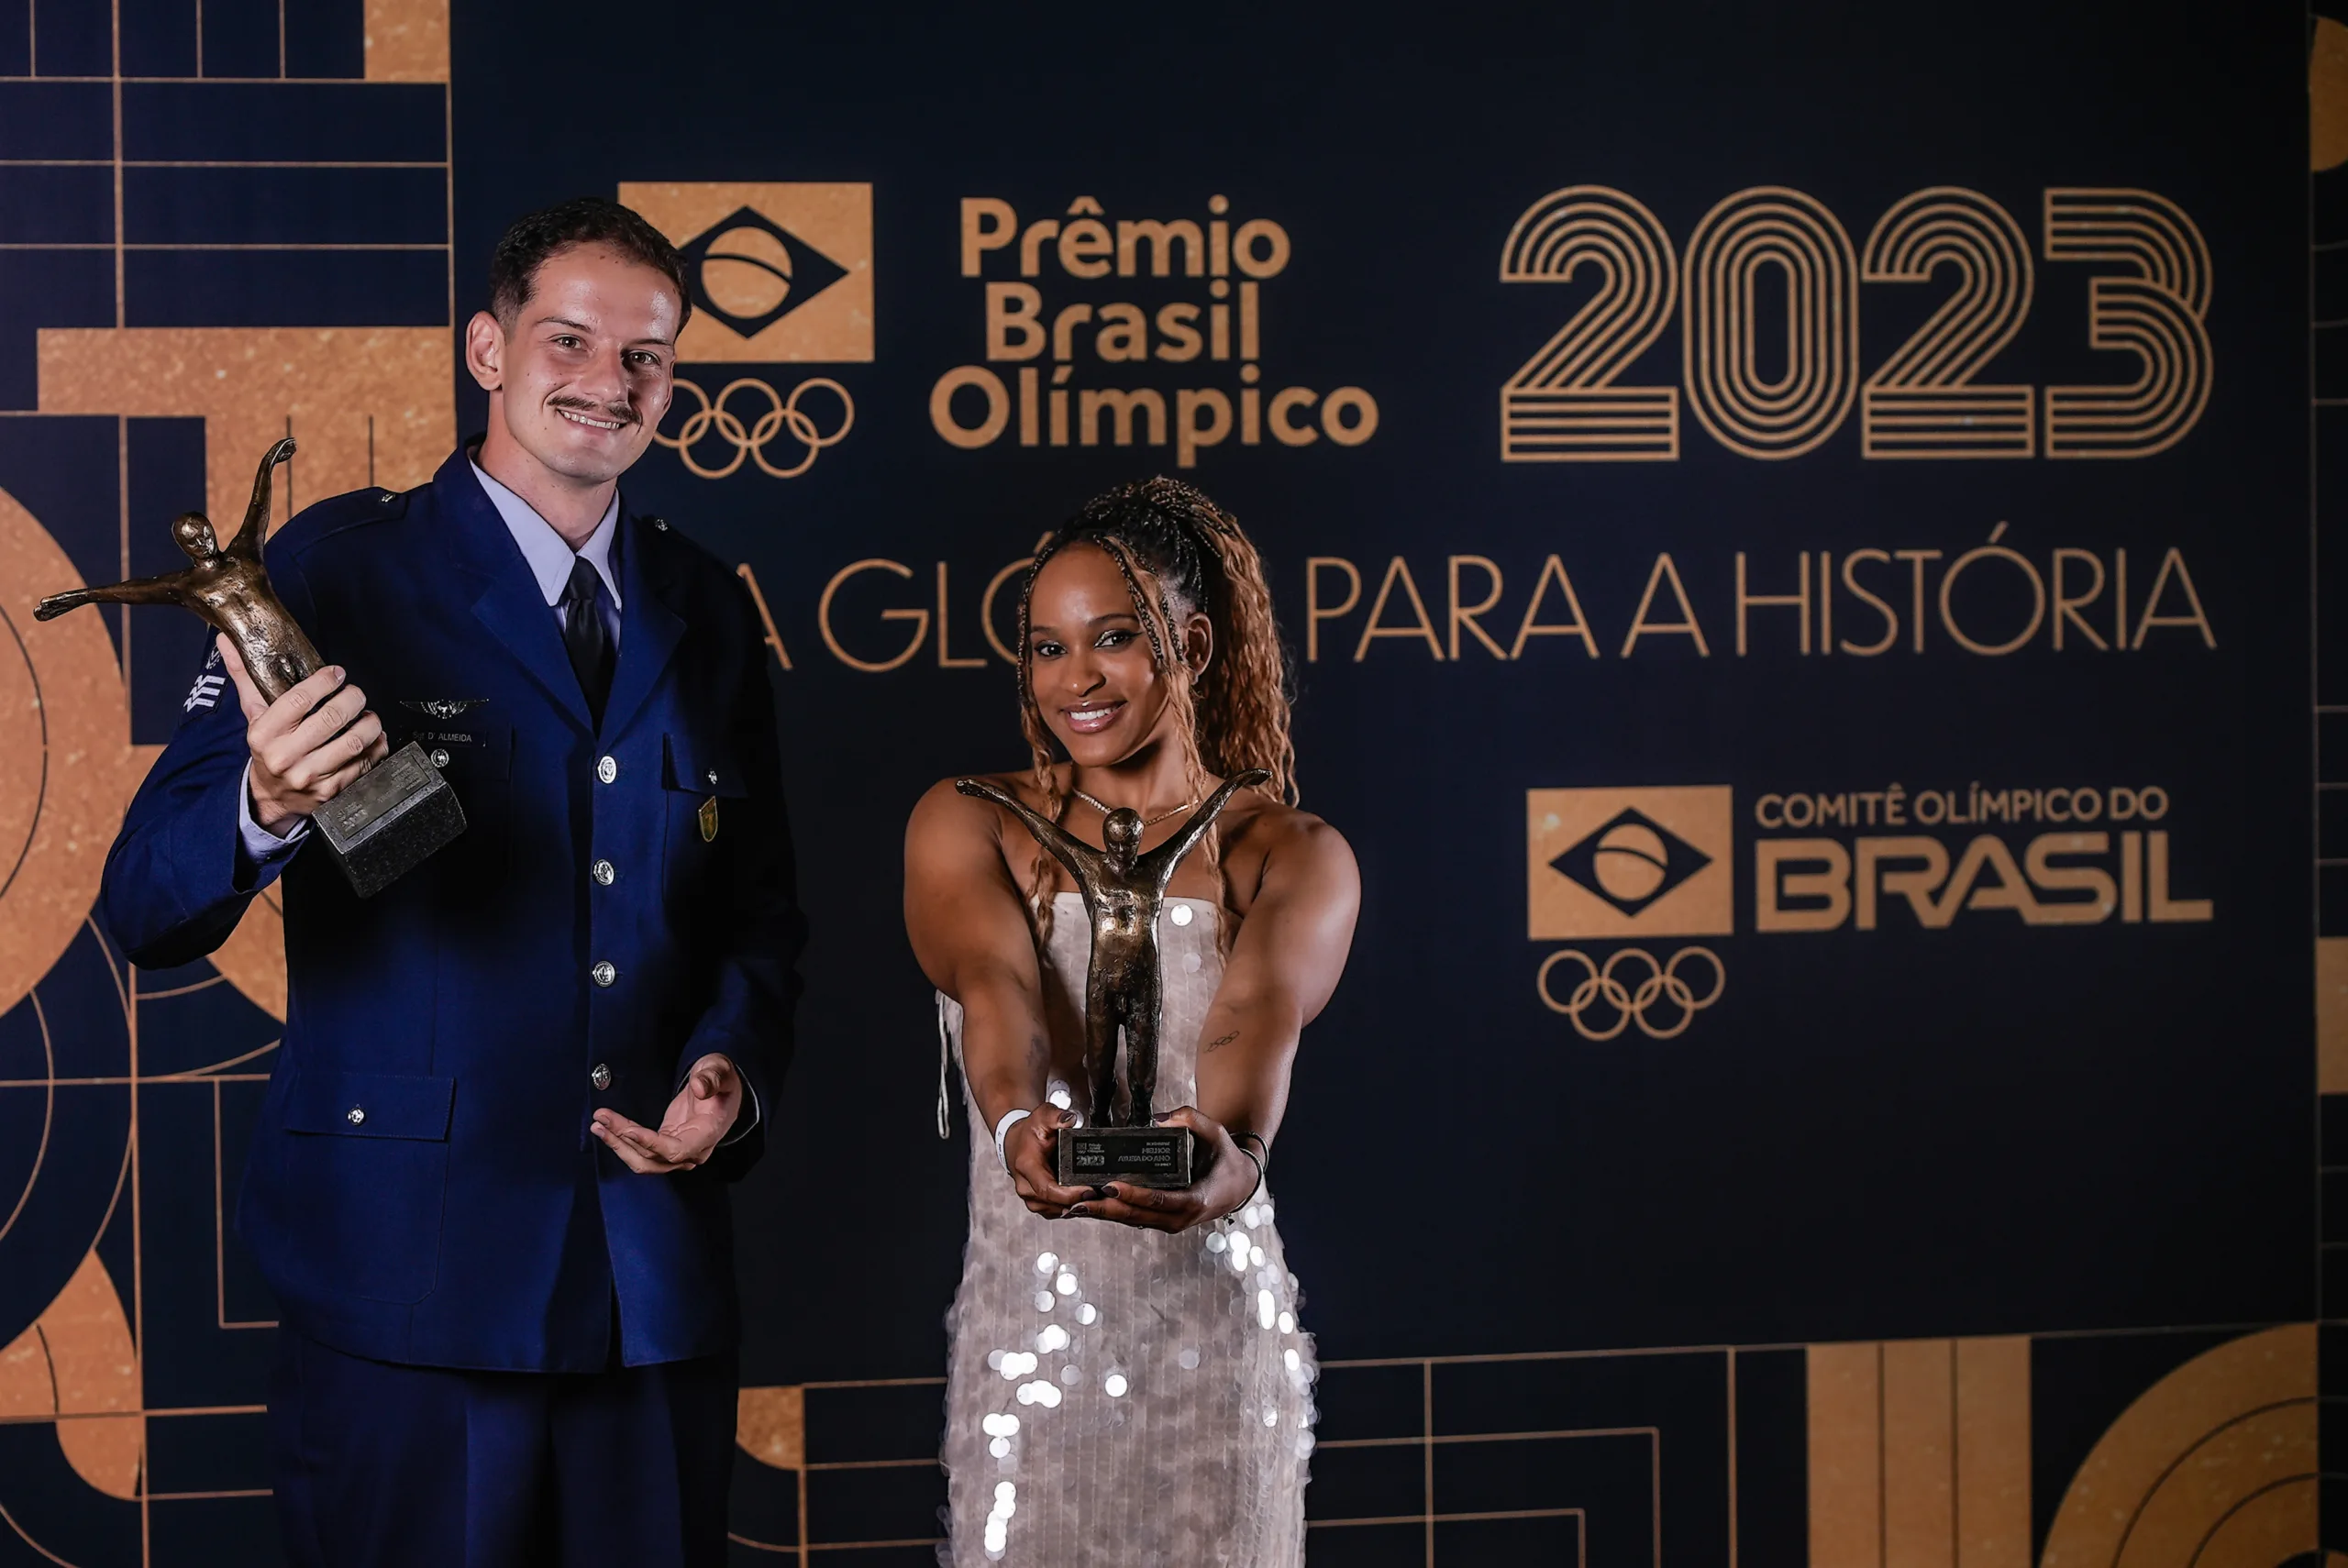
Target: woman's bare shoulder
960, 901
1288, 843
946, 822
1291, 832
1278, 822
946, 795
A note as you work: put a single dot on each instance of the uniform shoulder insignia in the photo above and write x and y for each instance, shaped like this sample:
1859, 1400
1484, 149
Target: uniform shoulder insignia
381, 502
358, 505
668, 542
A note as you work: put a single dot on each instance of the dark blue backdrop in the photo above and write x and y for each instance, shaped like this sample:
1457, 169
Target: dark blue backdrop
1983, 1128
1973, 1113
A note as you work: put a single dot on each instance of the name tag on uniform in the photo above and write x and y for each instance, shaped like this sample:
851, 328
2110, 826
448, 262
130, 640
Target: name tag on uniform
709, 820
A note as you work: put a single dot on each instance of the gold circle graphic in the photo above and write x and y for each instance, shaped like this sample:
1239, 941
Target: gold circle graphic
747, 272
66, 766
1629, 861
2214, 1466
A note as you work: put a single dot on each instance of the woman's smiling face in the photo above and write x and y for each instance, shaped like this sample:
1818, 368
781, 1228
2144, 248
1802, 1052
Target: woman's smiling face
1090, 666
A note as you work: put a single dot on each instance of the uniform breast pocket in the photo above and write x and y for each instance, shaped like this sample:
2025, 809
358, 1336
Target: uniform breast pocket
367, 1169
704, 787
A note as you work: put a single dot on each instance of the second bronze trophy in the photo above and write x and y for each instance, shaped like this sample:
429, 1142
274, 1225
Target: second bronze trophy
1124, 891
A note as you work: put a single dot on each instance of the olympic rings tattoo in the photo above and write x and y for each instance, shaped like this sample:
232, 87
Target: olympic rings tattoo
1599, 989
783, 414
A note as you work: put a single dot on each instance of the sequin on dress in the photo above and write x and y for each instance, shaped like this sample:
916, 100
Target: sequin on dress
1117, 1397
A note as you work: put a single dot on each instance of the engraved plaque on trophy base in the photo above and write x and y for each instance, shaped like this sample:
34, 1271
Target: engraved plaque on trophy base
388, 819
1145, 1156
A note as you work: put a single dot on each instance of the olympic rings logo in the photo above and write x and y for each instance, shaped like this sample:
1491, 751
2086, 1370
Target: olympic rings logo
783, 416
1602, 992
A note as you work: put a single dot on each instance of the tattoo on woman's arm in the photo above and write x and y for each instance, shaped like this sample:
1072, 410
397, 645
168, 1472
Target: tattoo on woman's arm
1219, 1045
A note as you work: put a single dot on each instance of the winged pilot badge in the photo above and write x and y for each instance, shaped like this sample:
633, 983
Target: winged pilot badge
442, 707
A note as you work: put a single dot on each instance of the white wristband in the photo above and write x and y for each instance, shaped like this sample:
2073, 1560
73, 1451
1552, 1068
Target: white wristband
1010, 1119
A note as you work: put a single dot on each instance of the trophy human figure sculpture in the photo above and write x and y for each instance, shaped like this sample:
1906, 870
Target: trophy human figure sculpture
1123, 891
392, 815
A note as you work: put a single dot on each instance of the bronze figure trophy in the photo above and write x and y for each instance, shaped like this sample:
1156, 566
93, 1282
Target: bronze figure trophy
391, 816
1123, 891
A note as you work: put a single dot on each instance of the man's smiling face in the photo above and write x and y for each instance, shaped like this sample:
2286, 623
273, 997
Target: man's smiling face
588, 364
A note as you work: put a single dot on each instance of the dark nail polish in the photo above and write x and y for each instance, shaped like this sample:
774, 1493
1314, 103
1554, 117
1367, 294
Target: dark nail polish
1103, 1192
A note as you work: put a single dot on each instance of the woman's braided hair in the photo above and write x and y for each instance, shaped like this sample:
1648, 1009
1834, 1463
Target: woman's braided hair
1178, 551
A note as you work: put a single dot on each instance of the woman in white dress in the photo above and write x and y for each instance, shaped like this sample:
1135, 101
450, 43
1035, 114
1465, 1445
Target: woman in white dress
1129, 1384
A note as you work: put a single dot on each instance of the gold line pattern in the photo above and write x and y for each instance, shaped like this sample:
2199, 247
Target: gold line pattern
1561, 405
1770, 228
77, 1362
2156, 315
1921, 402
65, 763
2214, 1466
372, 406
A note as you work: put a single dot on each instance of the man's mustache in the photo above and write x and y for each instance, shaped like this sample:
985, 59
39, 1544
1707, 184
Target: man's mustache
625, 413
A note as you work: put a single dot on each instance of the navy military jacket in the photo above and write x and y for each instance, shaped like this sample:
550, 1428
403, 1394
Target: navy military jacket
423, 1186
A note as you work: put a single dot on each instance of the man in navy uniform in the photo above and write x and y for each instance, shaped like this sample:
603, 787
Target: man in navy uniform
488, 1185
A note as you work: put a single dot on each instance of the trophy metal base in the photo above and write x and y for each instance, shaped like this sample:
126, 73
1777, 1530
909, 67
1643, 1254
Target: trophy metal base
391, 817
1144, 1156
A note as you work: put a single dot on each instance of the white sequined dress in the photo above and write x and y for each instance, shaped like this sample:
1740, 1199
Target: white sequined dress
1119, 1397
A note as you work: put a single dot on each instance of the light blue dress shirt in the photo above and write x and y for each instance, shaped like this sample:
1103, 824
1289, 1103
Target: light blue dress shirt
549, 555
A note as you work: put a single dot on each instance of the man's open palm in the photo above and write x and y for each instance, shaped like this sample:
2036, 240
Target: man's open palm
698, 1120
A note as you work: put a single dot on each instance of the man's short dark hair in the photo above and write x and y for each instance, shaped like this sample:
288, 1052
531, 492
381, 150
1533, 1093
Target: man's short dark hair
583, 220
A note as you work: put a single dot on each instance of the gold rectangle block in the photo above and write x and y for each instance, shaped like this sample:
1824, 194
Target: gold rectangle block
1845, 1456
1919, 1454
371, 405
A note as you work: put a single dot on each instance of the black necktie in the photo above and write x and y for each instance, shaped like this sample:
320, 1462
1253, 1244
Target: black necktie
586, 638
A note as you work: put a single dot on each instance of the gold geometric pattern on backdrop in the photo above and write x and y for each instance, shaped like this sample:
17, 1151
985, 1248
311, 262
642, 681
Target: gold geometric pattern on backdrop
66, 762
2332, 1015
1919, 1454
770, 1426
407, 40
371, 405
2214, 1466
77, 1362
2328, 97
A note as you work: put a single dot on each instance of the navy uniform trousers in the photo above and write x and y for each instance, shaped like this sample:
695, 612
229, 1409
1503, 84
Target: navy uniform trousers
385, 1466
500, 1345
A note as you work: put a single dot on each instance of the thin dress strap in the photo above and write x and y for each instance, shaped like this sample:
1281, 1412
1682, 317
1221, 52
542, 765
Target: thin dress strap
945, 1105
